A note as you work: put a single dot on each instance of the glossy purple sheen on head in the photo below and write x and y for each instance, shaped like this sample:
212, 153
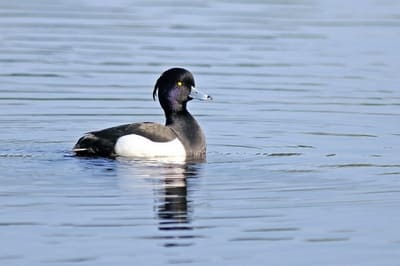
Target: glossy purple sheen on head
173, 94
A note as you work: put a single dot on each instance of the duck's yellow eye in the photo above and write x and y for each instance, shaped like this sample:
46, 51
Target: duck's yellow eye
179, 83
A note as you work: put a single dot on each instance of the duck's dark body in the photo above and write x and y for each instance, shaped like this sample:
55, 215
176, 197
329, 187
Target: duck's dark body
102, 142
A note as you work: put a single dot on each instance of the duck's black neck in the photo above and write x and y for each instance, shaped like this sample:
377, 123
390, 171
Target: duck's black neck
177, 118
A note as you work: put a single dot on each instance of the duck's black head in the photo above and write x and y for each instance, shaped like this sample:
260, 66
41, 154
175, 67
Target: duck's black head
176, 87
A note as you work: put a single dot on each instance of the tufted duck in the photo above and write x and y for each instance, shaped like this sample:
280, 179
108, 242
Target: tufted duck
181, 138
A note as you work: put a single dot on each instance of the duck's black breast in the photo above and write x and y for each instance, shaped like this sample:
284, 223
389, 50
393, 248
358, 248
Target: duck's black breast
189, 133
102, 143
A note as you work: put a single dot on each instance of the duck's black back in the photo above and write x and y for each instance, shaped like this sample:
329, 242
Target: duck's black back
102, 143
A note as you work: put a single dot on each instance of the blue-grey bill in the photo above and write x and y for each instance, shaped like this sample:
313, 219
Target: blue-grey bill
198, 95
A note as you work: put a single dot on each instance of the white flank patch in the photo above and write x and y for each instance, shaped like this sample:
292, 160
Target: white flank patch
137, 146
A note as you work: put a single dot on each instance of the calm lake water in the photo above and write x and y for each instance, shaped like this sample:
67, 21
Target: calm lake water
303, 135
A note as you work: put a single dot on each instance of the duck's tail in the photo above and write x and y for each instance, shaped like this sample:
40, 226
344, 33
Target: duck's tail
91, 145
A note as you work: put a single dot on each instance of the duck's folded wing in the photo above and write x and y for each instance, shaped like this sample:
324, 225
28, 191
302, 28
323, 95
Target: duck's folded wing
102, 142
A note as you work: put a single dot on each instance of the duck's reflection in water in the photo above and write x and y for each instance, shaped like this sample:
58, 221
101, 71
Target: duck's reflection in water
173, 206
173, 209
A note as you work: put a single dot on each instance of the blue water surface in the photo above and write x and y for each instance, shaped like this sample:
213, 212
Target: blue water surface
303, 134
